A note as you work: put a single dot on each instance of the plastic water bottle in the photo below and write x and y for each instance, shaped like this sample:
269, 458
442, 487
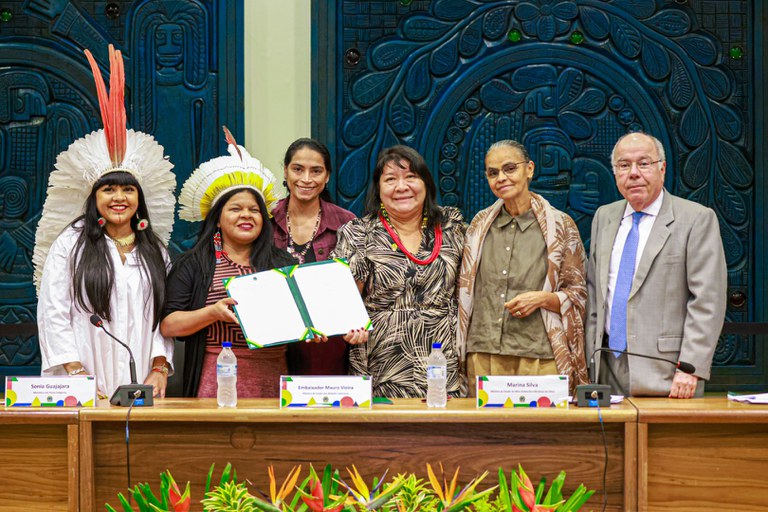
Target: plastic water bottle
437, 371
226, 375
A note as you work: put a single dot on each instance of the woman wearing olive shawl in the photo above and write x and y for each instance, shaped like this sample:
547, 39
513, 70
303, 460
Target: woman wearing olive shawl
522, 285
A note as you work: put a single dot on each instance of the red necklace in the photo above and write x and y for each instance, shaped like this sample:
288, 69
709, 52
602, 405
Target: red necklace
435, 249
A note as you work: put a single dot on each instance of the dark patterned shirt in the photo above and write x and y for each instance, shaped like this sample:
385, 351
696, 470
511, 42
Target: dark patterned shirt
410, 305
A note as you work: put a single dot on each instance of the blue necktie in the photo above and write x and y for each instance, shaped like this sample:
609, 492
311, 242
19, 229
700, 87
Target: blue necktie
618, 336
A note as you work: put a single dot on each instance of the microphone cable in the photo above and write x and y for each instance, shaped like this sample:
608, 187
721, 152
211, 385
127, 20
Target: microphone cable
605, 461
605, 440
136, 395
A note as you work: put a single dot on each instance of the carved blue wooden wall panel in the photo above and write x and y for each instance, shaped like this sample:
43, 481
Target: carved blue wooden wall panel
566, 78
183, 62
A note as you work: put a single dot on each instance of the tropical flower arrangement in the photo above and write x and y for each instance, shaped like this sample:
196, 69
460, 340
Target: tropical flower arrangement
330, 492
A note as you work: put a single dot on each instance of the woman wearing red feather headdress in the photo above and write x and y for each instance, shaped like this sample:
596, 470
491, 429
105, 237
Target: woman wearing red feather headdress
100, 249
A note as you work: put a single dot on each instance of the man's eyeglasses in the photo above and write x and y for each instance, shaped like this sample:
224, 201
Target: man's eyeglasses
624, 167
509, 170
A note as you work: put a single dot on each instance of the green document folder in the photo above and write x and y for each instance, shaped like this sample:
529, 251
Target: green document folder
296, 303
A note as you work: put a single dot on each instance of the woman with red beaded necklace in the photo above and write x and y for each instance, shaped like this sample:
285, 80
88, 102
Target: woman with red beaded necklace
405, 254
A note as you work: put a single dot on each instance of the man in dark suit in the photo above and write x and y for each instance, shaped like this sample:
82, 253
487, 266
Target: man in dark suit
656, 279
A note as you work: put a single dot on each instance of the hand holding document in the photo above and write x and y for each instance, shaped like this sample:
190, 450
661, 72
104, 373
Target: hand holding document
297, 303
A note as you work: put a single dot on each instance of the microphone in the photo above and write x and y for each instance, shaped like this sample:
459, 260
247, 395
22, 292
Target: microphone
124, 395
680, 365
593, 395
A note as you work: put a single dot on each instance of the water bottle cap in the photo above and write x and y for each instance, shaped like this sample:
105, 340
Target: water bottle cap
226, 344
437, 345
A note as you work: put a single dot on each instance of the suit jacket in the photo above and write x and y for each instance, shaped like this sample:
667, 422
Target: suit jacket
676, 306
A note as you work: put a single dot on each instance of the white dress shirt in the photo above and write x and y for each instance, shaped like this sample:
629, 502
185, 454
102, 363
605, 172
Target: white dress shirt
66, 333
644, 228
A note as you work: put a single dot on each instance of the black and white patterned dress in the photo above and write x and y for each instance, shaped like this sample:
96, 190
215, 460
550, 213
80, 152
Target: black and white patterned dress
410, 305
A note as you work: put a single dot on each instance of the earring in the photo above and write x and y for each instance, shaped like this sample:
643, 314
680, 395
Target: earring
285, 184
102, 222
217, 247
141, 224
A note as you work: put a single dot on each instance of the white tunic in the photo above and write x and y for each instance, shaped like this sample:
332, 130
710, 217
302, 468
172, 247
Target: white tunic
66, 333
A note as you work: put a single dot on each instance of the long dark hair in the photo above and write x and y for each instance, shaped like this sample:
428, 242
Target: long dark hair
314, 145
417, 164
264, 254
92, 269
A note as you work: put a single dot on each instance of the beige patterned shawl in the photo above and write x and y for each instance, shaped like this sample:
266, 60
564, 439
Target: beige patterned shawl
565, 276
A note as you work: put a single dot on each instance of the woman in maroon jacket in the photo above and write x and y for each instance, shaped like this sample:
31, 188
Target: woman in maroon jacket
305, 224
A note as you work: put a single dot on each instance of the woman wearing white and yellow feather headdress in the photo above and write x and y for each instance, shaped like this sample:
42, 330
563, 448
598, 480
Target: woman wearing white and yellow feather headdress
233, 196
100, 250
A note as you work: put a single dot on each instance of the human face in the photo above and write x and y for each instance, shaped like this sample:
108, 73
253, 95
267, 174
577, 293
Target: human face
515, 185
306, 175
639, 188
402, 190
241, 220
117, 204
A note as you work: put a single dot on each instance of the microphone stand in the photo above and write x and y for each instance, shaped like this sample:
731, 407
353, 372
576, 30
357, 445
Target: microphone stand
133, 394
594, 395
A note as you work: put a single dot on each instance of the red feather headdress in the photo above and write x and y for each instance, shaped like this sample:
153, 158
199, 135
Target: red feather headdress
115, 148
112, 105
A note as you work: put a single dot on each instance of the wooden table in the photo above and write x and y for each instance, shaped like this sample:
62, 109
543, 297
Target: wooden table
703, 454
187, 435
39, 460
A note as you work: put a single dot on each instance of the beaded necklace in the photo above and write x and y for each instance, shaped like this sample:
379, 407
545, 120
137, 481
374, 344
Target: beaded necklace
300, 255
125, 241
398, 244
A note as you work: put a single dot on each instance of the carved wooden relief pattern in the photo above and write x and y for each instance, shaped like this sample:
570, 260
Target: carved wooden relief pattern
566, 78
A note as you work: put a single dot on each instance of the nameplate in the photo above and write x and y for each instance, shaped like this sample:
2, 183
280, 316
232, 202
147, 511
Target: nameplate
522, 391
76, 391
325, 391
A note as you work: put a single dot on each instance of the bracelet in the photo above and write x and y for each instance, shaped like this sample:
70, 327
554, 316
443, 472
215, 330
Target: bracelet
77, 372
160, 369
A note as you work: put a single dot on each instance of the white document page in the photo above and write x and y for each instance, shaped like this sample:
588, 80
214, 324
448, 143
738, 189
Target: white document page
266, 309
761, 398
332, 298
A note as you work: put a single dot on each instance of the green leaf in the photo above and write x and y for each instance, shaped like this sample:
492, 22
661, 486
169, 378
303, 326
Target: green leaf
225, 474
504, 491
150, 496
141, 501
300, 489
386, 495
328, 483
208, 480
555, 490
468, 501
515, 492
577, 500
124, 501
263, 505
540, 489
568, 505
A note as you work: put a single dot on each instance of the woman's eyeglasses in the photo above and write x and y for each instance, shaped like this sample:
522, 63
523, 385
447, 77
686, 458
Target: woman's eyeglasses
509, 170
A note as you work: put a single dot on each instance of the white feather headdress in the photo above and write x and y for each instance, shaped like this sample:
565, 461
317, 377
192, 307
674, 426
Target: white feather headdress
110, 149
215, 177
